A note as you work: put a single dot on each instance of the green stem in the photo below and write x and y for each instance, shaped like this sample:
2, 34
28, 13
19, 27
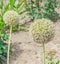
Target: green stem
8, 52
44, 61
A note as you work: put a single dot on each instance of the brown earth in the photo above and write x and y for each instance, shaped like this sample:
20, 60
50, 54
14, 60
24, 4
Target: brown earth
26, 51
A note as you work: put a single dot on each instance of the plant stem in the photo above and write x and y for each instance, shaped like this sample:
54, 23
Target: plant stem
44, 61
25, 3
8, 52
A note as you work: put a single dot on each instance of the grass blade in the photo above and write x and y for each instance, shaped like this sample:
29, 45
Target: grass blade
19, 4
12, 2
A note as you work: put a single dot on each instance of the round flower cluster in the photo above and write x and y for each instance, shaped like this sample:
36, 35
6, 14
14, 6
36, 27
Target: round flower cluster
11, 17
42, 30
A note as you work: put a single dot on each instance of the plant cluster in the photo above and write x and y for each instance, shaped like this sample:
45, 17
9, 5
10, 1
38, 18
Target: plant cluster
53, 62
3, 36
12, 6
7, 12
3, 51
11, 18
3, 45
50, 58
42, 8
42, 31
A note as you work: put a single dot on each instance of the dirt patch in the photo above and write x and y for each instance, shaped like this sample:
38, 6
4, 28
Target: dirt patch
26, 51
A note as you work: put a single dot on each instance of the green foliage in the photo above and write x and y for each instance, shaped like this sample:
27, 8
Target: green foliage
34, 9
17, 7
3, 51
11, 3
3, 45
58, 62
19, 4
51, 60
19, 27
11, 6
42, 8
3, 36
49, 9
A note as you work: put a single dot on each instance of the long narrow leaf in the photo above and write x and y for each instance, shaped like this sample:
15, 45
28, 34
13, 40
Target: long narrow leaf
12, 2
0, 7
6, 8
21, 12
19, 4
1, 4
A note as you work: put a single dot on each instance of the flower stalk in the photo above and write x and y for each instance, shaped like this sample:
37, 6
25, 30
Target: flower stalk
9, 42
44, 61
42, 31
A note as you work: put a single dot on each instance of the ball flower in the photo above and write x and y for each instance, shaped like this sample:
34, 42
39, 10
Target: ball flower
11, 17
42, 30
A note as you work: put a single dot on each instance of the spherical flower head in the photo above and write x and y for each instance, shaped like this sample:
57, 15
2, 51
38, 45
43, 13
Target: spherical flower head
11, 17
42, 30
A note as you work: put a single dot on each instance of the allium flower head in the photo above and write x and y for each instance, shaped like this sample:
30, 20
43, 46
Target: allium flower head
42, 30
11, 17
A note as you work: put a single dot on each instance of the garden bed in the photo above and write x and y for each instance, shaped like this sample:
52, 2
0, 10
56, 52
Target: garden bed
26, 51
31, 32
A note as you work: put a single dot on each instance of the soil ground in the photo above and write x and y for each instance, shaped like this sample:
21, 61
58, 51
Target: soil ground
26, 51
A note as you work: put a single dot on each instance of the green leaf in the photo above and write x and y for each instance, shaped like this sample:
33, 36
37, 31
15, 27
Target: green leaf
21, 12
58, 62
0, 51
2, 58
21, 27
19, 4
2, 25
1, 4
51, 63
0, 7
11, 3
14, 1
6, 8
3, 51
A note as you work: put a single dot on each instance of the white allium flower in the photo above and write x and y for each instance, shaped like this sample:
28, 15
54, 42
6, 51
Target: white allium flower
42, 30
11, 17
